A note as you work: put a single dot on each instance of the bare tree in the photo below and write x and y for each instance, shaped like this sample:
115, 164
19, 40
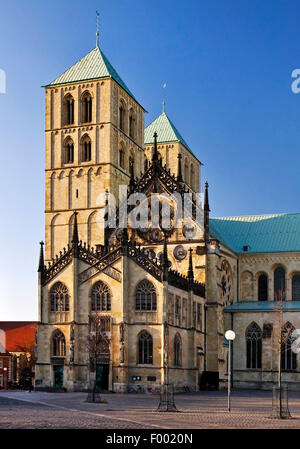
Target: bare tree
279, 342
27, 361
98, 343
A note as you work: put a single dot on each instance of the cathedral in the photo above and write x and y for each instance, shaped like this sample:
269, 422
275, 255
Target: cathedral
165, 295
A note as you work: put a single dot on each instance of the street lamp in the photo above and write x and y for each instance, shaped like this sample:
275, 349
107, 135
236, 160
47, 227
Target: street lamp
5, 377
230, 336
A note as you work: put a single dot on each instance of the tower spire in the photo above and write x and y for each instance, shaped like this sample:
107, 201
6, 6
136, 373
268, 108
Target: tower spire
206, 202
206, 214
41, 260
164, 105
106, 221
97, 28
179, 170
191, 270
75, 238
155, 152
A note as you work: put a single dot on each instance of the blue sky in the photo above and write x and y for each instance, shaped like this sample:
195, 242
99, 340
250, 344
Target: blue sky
227, 65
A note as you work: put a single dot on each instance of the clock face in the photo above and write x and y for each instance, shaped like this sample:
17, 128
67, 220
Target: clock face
189, 231
179, 252
226, 284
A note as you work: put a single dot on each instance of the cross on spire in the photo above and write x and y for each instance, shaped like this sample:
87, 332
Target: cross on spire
97, 28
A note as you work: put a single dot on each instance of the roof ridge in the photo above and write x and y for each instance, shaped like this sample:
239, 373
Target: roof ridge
255, 215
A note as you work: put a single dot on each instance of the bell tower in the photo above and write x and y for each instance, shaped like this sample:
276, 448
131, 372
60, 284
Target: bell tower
94, 133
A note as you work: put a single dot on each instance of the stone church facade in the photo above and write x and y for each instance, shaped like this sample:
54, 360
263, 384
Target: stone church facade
165, 296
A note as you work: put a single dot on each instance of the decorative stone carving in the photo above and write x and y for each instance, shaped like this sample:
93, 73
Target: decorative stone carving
71, 353
122, 332
72, 332
226, 284
122, 353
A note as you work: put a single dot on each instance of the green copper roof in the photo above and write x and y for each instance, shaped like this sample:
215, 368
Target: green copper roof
92, 66
261, 233
262, 306
166, 131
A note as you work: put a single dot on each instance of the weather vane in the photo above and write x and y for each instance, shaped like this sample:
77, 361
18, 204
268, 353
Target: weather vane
164, 102
97, 28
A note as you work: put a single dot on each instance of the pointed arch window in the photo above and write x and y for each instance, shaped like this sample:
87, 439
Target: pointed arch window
263, 287
68, 110
145, 345
101, 297
145, 296
177, 350
288, 357
122, 158
131, 124
86, 149
86, 106
59, 298
279, 283
69, 151
192, 178
58, 344
186, 172
254, 346
121, 117
296, 287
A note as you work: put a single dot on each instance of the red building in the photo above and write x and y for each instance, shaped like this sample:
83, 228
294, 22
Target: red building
17, 340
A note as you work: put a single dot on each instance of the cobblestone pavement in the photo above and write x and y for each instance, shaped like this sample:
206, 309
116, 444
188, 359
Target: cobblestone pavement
206, 410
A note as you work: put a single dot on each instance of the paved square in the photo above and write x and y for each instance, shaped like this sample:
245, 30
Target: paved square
203, 410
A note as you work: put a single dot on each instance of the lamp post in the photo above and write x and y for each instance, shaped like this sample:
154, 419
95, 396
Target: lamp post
230, 336
5, 377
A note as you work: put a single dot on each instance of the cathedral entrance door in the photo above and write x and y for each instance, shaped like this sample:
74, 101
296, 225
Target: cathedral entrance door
102, 376
58, 376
